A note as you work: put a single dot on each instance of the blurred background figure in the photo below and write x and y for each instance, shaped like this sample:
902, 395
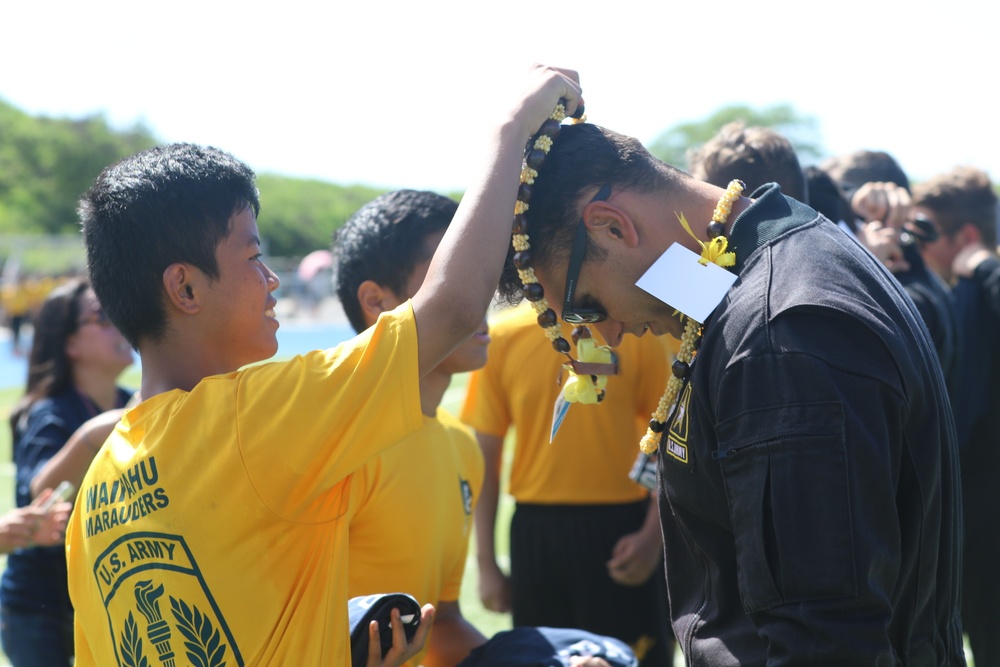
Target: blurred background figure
961, 208
586, 549
852, 170
314, 275
754, 155
34, 525
877, 191
826, 197
75, 360
15, 298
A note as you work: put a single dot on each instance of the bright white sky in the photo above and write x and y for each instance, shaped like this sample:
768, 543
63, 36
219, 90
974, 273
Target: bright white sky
399, 93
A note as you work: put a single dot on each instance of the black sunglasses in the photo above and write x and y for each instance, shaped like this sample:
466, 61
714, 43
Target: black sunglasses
569, 313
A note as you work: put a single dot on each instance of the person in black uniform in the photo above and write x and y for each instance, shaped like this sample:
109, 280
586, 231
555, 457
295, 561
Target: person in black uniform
962, 207
808, 474
880, 203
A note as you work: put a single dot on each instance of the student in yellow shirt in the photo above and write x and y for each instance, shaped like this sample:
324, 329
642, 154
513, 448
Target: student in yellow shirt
382, 254
211, 527
585, 543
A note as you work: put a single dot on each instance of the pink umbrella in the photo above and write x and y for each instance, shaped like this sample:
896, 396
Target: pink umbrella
313, 263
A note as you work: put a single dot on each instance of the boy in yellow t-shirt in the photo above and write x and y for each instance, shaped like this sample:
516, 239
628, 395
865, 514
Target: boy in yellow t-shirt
585, 542
382, 254
211, 527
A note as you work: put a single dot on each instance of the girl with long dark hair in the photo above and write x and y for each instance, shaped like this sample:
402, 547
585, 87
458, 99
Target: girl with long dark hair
75, 360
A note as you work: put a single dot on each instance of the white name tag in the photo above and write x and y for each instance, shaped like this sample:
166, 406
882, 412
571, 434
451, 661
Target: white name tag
678, 280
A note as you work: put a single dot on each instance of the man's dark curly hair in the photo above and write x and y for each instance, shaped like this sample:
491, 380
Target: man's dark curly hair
583, 157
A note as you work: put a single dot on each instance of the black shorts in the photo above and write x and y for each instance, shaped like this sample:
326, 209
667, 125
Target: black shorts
559, 576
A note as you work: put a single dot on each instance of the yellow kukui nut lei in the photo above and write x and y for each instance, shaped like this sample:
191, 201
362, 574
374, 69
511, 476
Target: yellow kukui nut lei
580, 387
716, 252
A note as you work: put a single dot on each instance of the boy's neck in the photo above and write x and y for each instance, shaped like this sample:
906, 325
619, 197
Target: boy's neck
169, 365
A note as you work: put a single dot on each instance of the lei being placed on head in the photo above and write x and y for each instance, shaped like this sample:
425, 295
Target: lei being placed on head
588, 380
588, 372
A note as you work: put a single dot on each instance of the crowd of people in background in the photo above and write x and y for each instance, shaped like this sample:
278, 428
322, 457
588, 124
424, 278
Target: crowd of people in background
824, 483
21, 296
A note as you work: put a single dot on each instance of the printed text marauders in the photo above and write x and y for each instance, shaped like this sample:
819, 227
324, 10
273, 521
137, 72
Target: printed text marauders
132, 496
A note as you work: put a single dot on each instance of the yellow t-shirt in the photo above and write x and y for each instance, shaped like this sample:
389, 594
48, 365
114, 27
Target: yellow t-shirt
17, 299
411, 514
589, 459
211, 524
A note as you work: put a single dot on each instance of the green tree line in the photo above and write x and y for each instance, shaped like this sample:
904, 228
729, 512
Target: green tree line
47, 163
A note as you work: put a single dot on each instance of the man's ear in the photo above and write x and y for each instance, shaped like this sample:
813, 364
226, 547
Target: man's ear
179, 284
372, 298
607, 220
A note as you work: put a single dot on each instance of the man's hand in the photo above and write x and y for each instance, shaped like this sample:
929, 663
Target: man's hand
401, 651
635, 558
883, 242
886, 202
494, 588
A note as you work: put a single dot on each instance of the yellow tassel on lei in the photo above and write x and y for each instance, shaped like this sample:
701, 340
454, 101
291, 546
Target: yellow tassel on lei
715, 251
587, 389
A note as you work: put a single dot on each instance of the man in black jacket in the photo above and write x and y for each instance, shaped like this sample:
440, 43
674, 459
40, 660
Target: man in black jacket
808, 469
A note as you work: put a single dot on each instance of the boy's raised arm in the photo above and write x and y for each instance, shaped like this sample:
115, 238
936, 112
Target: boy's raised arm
464, 273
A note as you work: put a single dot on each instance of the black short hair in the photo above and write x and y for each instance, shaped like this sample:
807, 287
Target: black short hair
853, 170
383, 242
168, 204
583, 157
826, 197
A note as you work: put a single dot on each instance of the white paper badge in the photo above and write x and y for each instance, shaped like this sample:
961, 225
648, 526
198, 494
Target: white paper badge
679, 280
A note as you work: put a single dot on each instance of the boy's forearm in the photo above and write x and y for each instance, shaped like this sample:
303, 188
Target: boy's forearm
465, 271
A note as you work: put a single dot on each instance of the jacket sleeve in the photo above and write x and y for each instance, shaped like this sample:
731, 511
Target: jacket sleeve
809, 442
987, 274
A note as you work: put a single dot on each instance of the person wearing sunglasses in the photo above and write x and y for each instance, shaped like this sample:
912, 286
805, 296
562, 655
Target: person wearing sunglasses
958, 211
74, 364
808, 468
